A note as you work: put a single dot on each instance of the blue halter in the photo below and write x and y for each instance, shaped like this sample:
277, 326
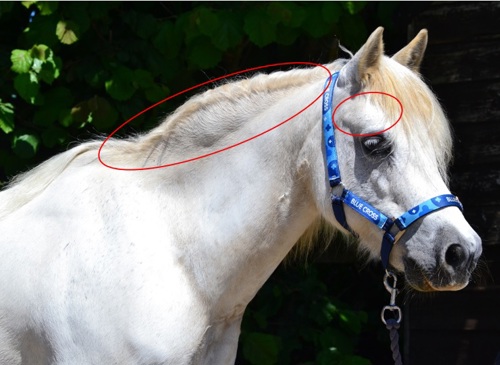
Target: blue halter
391, 227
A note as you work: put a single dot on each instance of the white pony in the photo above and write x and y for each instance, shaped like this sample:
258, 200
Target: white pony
100, 266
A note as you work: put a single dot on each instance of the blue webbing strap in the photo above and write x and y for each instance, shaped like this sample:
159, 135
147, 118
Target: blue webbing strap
385, 250
411, 216
329, 135
429, 206
366, 210
338, 210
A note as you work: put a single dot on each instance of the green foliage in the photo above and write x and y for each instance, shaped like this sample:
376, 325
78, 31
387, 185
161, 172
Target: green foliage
6, 117
72, 70
80, 68
32, 66
260, 348
67, 31
309, 324
25, 145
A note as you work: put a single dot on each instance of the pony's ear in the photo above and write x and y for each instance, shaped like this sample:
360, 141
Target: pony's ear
411, 56
366, 59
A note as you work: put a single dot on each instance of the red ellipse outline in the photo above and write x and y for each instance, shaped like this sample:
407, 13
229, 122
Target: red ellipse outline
367, 134
225, 148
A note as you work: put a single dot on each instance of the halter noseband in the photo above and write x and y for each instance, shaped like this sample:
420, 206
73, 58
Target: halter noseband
391, 227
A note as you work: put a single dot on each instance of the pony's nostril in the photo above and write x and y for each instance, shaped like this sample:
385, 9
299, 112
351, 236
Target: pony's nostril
455, 255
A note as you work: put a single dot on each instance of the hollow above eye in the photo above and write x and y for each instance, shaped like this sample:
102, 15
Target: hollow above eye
376, 146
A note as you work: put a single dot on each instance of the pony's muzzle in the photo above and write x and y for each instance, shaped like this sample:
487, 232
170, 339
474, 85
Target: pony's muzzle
452, 267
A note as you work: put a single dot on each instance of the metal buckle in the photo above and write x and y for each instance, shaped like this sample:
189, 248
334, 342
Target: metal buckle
336, 188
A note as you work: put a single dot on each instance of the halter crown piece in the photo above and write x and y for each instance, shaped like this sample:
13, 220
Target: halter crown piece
391, 227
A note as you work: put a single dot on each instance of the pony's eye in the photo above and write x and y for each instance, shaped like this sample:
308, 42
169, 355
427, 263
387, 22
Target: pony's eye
376, 146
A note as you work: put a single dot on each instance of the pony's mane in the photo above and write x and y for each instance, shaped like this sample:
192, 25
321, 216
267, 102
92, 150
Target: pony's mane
223, 109
423, 121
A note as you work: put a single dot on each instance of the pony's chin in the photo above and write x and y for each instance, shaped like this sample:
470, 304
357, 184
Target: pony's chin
426, 286
421, 280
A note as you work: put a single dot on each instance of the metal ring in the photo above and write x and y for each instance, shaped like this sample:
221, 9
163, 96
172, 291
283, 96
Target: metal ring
392, 308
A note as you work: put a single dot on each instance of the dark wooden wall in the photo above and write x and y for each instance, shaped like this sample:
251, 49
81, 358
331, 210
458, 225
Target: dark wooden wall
462, 65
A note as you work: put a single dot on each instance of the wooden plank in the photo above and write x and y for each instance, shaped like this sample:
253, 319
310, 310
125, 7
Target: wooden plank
458, 22
478, 182
472, 101
472, 61
476, 144
461, 62
466, 310
452, 348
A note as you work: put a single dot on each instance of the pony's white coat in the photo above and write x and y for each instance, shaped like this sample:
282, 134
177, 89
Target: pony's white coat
157, 267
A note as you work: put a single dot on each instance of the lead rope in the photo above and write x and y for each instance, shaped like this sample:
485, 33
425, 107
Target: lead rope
392, 323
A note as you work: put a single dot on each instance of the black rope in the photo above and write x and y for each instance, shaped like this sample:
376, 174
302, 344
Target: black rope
393, 326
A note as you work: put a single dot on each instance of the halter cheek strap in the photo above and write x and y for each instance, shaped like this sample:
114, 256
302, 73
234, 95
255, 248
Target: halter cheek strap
348, 198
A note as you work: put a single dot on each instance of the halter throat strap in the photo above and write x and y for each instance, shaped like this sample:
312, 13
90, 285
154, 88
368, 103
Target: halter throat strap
342, 196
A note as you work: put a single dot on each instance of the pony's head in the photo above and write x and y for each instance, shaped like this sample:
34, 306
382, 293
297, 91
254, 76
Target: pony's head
403, 166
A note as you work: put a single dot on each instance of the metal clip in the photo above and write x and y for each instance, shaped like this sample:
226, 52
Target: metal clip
392, 304
337, 188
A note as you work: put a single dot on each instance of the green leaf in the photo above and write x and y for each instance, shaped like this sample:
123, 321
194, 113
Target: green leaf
78, 13
42, 63
289, 14
185, 25
287, 36
353, 7
98, 10
54, 136
314, 24
143, 24
353, 321
6, 117
67, 31
42, 31
46, 115
167, 40
25, 145
356, 360
27, 86
51, 70
27, 4
206, 20
260, 27
21, 61
229, 33
59, 97
143, 79
55, 100
97, 111
201, 54
156, 93
45, 7
120, 86
41, 52
5, 7
261, 348
331, 12
37, 65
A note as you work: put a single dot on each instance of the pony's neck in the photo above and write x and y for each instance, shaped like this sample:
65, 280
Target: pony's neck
249, 205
